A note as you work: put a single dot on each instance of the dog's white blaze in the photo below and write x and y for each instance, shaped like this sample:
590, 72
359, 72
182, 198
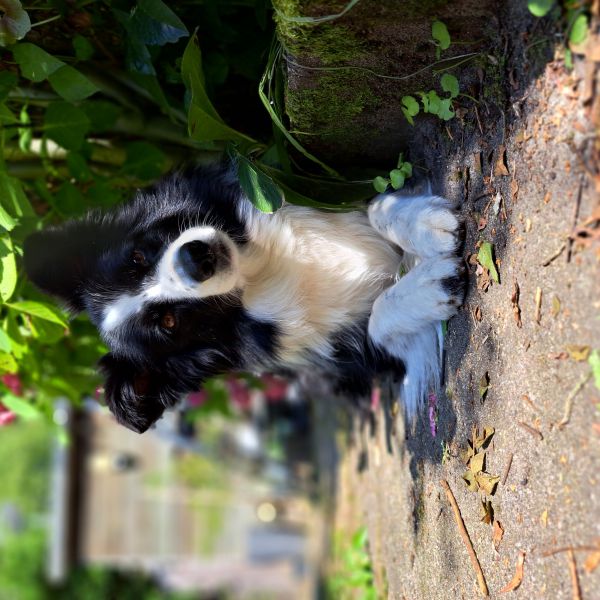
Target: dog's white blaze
121, 309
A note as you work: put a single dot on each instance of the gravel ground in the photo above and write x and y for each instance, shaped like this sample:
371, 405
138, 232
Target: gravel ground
524, 173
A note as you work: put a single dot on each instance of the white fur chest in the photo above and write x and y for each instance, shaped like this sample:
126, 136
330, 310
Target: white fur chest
313, 273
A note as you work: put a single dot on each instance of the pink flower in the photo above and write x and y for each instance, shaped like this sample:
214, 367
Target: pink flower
275, 388
432, 413
238, 393
197, 398
13, 383
7, 417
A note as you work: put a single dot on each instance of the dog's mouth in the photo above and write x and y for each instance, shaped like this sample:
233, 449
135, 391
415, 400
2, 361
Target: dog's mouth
198, 261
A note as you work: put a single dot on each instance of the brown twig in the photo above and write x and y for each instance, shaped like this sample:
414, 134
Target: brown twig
507, 468
574, 579
532, 430
550, 260
575, 216
538, 305
569, 401
466, 539
554, 551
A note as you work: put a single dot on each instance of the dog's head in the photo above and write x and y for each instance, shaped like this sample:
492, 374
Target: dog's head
160, 279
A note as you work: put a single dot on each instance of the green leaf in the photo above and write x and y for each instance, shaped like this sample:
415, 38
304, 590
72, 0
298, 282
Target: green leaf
14, 22
20, 407
6, 116
101, 114
450, 84
71, 85
7, 364
69, 201
8, 269
26, 132
8, 81
579, 29
78, 167
35, 64
155, 24
144, 161
204, 123
5, 345
262, 191
484, 256
84, 50
540, 8
433, 102
594, 362
445, 110
40, 310
397, 178
410, 108
13, 198
406, 169
439, 32
381, 184
66, 124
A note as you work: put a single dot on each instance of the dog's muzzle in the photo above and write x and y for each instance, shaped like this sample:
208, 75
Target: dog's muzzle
199, 260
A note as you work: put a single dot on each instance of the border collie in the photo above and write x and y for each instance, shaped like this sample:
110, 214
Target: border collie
188, 280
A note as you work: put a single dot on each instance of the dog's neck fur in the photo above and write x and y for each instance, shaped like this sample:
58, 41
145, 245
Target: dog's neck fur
312, 274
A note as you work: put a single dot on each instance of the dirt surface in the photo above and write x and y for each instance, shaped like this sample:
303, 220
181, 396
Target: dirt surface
522, 167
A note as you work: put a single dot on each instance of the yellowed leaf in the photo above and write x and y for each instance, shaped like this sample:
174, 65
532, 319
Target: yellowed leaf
515, 582
544, 518
578, 352
469, 477
555, 306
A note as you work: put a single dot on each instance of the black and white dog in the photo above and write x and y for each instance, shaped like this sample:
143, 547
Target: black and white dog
189, 280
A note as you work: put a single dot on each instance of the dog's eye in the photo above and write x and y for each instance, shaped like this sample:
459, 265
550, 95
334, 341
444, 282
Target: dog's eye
139, 258
168, 321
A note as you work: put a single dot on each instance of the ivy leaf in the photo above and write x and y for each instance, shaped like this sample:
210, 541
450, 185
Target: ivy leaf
450, 84
39, 309
484, 256
66, 124
540, 8
71, 85
261, 190
35, 64
439, 32
15, 22
381, 184
8, 269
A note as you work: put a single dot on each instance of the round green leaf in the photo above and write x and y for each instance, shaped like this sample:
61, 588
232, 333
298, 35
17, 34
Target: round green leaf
397, 179
450, 84
540, 8
66, 125
71, 85
439, 32
381, 184
579, 29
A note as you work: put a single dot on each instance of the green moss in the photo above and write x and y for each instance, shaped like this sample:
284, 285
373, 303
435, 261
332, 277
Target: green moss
330, 42
329, 108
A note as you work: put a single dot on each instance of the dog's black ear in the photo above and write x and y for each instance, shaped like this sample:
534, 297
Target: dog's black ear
136, 397
59, 259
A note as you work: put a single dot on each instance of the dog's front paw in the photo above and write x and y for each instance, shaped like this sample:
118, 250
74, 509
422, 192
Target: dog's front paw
427, 226
431, 291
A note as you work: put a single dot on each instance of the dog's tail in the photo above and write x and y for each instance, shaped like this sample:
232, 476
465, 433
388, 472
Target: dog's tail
422, 355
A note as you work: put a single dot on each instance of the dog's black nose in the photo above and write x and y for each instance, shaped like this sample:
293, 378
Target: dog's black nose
197, 260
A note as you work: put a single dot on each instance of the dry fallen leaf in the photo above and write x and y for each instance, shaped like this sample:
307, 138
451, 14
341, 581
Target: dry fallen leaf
515, 582
481, 441
544, 518
469, 477
487, 511
500, 165
514, 190
555, 306
487, 483
592, 562
484, 385
497, 535
515, 304
477, 313
477, 463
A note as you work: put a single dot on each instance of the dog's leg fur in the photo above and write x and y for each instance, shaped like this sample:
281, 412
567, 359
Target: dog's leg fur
405, 317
